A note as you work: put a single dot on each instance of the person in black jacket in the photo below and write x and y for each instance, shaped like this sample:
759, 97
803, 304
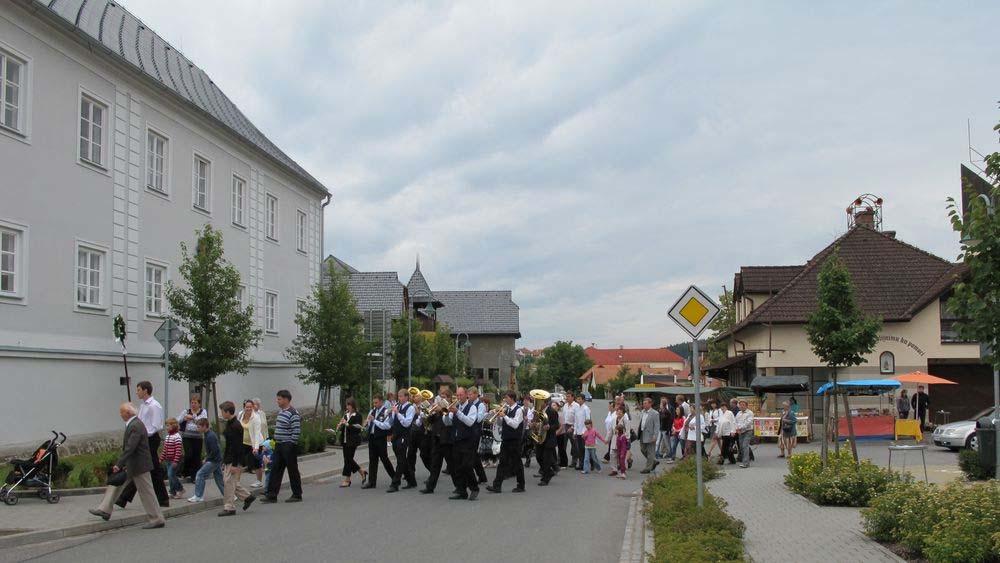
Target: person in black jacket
234, 460
379, 423
920, 402
350, 437
546, 451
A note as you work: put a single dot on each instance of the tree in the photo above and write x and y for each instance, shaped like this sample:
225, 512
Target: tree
433, 352
623, 380
840, 334
718, 350
331, 345
563, 363
217, 332
976, 299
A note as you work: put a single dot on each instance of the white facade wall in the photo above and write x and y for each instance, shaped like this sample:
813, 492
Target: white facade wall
59, 364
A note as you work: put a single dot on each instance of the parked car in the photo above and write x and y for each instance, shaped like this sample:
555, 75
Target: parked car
558, 397
961, 434
588, 397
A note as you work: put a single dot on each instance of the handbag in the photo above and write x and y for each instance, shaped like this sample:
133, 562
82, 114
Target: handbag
117, 478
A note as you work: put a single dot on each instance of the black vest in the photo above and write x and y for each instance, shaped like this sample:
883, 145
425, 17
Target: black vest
439, 429
462, 431
506, 432
375, 431
398, 430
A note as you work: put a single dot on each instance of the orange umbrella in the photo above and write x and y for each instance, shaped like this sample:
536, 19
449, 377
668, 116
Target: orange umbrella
920, 377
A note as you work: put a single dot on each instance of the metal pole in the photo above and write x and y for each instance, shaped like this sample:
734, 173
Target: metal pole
697, 421
166, 379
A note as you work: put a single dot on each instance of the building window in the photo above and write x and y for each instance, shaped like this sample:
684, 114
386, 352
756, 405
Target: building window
949, 333
271, 217
271, 312
89, 276
202, 182
300, 307
93, 117
300, 242
242, 296
156, 277
239, 200
12, 84
887, 363
10, 256
156, 162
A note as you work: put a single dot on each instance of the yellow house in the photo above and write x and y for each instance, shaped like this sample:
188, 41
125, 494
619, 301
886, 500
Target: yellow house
898, 283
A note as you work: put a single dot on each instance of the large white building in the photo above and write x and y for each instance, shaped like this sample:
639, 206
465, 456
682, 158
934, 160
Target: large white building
115, 148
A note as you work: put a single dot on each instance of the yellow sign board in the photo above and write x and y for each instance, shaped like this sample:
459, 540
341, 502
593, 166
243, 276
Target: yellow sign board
694, 311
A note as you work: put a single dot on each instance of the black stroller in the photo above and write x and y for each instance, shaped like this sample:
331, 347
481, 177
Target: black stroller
34, 473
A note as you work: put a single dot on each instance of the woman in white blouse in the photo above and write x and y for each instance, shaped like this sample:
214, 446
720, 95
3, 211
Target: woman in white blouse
620, 418
190, 437
263, 437
690, 425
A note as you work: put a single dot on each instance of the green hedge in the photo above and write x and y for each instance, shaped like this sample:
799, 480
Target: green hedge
969, 463
841, 483
682, 531
957, 522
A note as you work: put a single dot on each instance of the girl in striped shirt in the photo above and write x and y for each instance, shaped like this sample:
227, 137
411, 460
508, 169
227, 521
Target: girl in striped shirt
173, 454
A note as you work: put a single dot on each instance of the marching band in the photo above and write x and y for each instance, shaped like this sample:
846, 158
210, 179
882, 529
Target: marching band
450, 434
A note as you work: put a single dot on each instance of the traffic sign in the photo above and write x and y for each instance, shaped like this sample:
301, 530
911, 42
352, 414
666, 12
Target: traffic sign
694, 311
168, 334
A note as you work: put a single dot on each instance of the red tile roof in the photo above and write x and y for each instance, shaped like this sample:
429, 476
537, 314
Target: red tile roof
765, 279
617, 356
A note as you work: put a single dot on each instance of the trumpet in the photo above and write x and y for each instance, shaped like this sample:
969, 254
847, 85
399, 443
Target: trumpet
492, 416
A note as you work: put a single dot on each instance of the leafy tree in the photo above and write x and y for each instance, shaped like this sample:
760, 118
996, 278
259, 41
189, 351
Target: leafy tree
331, 344
717, 347
563, 363
217, 332
433, 352
622, 380
976, 299
444, 350
528, 377
840, 334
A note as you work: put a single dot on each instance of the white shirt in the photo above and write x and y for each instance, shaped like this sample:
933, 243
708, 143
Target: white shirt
692, 429
580, 419
727, 423
570, 417
686, 409
405, 419
151, 414
609, 423
480, 410
744, 421
385, 424
713, 416
516, 420
467, 420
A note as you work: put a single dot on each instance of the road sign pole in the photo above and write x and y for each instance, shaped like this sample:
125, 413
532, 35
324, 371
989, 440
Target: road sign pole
697, 421
166, 380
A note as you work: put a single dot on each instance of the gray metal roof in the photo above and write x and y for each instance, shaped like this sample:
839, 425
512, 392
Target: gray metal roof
126, 37
420, 292
479, 312
377, 291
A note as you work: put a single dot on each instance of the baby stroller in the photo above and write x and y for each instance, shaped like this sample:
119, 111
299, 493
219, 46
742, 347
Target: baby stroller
34, 473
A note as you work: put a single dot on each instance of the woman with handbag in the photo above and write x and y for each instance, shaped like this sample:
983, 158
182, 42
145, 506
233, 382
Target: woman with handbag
191, 438
787, 437
350, 436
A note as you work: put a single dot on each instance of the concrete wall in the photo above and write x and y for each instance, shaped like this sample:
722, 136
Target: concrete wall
492, 352
54, 355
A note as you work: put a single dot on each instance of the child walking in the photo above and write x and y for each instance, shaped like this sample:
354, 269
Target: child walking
621, 448
590, 438
173, 454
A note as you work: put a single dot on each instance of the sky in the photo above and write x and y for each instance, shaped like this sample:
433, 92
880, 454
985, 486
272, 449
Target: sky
597, 158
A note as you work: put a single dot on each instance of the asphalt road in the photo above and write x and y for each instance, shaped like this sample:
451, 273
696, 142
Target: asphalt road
576, 518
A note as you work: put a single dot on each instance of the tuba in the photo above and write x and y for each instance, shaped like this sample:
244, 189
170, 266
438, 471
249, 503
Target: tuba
539, 427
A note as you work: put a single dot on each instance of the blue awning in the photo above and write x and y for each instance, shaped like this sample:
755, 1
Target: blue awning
862, 386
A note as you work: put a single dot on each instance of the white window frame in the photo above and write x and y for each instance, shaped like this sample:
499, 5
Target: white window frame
271, 314
300, 303
105, 145
207, 209
238, 213
21, 128
271, 222
301, 230
164, 189
165, 268
102, 287
20, 232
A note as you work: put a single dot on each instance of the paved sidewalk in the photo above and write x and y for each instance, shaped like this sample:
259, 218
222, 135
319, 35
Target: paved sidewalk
34, 520
782, 526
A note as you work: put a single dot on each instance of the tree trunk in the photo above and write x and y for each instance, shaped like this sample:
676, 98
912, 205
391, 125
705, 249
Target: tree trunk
836, 416
826, 427
319, 391
850, 431
215, 403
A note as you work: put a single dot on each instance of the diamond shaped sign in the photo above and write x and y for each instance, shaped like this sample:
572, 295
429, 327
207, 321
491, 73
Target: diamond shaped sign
694, 311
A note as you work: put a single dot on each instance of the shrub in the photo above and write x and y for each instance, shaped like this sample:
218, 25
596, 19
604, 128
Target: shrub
970, 464
841, 483
85, 477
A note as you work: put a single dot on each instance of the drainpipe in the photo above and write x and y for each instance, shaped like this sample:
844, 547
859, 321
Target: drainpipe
322, 223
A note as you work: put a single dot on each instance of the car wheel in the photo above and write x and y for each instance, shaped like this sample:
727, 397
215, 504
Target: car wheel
973, 442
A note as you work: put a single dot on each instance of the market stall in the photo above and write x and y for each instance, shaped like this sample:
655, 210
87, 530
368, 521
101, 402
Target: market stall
768, 425
868, 424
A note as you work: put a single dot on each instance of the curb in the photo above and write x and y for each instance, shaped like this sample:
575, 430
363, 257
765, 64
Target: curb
36, 536
638, 534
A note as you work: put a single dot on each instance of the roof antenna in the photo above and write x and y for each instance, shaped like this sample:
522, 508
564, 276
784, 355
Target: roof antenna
972, 151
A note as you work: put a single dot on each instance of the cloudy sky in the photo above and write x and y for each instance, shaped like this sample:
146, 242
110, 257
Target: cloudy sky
597, 158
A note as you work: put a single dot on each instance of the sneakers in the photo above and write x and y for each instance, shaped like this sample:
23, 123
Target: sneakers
257, 485
743, 466
196, 499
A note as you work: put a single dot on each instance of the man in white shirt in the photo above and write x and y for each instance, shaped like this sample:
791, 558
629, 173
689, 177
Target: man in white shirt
580, 418
726, 430
683, 406
480, 415
744, 428
512, 432
151, 415
569, 428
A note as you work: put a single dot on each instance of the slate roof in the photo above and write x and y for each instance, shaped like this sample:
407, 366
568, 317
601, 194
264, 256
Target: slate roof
339, 265
377, 291
124, 37
892, 280
617, 356
420, 291
479, 312
764, 279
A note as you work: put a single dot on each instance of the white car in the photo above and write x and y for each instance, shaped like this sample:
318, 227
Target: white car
961, 434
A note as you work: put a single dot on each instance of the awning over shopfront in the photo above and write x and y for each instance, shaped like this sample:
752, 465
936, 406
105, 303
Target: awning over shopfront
722, 393
780, 384
862, 387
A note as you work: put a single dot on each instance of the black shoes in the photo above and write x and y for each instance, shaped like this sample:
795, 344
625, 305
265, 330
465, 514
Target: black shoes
268, 500
154, 525
517, 490
474, 495
492, 489
293, 499
227, 513
427, 491
248, 501
368, 486
483, 481
392, 489
543, 483
409, 486
459, 496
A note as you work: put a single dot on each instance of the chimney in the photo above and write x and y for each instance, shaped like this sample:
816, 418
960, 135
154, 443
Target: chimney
865, 217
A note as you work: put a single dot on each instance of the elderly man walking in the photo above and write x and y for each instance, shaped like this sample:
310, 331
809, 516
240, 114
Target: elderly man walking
137, 463
649, 431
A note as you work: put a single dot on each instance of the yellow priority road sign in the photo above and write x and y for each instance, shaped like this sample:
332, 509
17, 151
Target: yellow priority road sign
694, 311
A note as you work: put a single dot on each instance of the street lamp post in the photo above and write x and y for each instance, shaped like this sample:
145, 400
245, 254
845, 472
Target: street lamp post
466, 346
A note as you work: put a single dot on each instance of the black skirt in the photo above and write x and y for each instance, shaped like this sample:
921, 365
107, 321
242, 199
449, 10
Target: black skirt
248, 459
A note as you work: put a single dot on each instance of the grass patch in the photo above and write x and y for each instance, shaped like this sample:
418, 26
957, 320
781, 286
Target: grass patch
681, 530
78, 471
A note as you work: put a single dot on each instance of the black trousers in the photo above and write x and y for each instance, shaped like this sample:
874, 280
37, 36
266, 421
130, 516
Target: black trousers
510, 464
440, 455
192, 455
128, 493
561, 447
285, 456
463, 473
546, 454
400, 445
578, 451
378, 450
728, 449
419, 445
477, 467
350, 466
